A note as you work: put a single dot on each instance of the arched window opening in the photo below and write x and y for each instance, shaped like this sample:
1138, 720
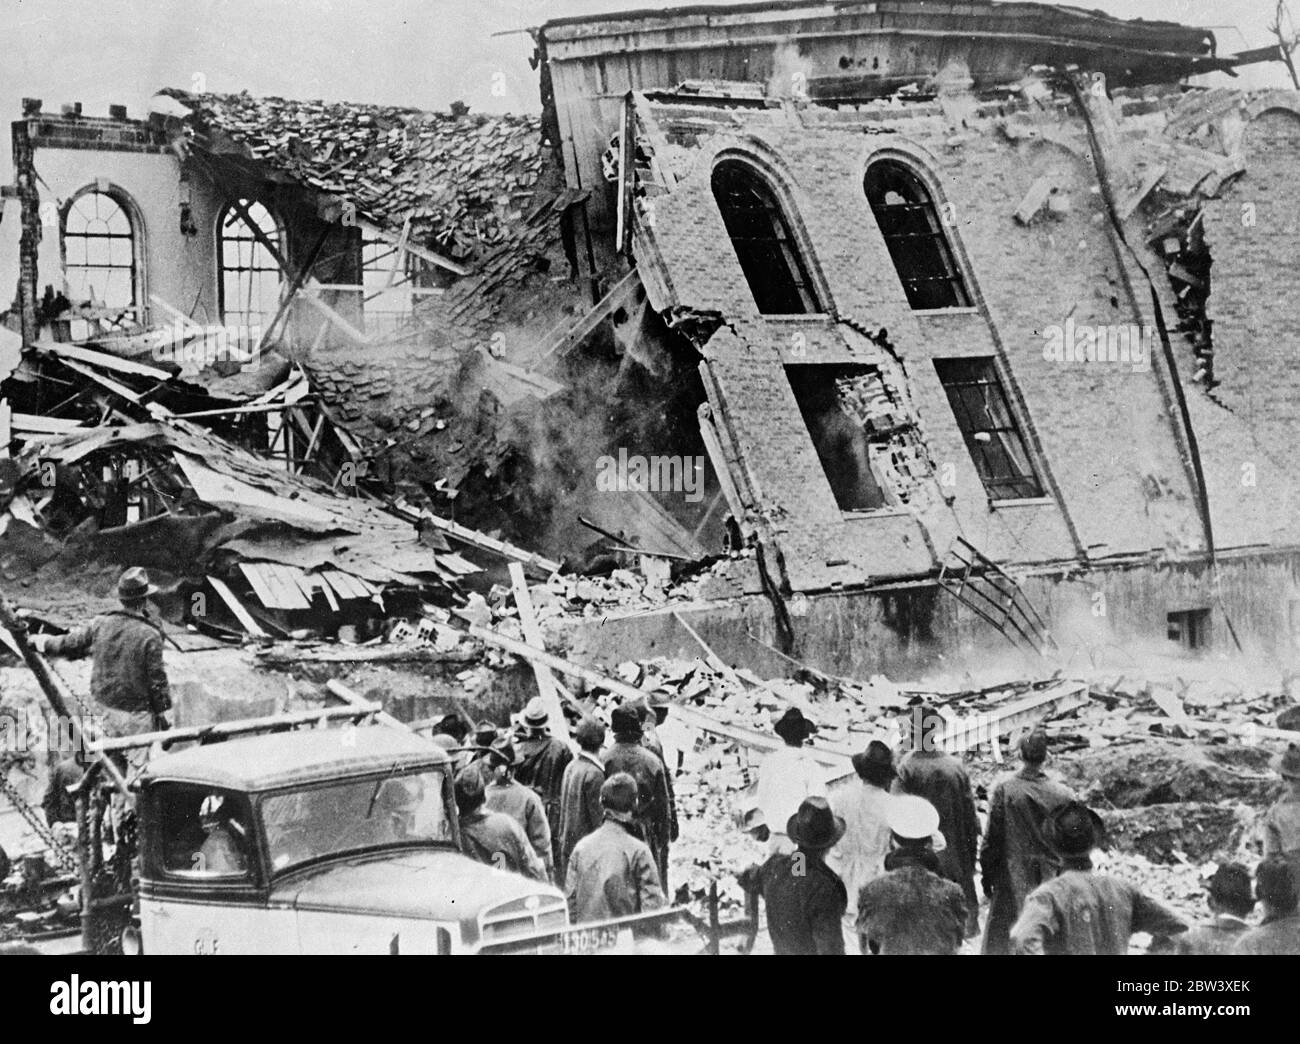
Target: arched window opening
768, 253
251, 280
917, 244
101, 264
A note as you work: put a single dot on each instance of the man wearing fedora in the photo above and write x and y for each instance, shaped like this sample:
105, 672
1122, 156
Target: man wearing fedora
1014, 857
1279, 933
656, 816
787, 776
805, 899
127, 676
912, 908
1282, 820
1081, 911
611, 872
928, 771
864, 806
542, 761
1230, 902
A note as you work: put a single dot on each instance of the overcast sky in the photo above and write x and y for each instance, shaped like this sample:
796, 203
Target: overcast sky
422, 53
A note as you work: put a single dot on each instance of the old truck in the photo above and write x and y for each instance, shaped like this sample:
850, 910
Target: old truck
324, 840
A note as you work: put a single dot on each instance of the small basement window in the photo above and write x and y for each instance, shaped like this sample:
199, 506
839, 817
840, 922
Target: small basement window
917, 244
989, 428
1190, 628
850, 417
760, 233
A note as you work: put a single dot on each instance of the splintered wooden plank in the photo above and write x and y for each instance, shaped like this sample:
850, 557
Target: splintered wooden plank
233, 604
274, 585
456, 564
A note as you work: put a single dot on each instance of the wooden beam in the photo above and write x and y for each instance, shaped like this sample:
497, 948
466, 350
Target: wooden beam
235, 728
411, 248
570, 337
233, 604
533, 636
309, 296
475, 538
721, 468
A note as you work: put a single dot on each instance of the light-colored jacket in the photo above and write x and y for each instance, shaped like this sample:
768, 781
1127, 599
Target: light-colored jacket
785, 778
860, 856
612, 874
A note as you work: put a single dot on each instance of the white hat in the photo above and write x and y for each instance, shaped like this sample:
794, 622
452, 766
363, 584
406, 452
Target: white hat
912, 818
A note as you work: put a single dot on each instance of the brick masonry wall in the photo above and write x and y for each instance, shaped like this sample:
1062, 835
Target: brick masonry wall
1104, 430
1253, 233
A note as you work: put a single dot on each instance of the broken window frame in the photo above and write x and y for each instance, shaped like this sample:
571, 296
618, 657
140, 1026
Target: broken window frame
124, 207
413, 278
1192, 629
923, 255
820, 378
1004, 461
259, 260
769, 237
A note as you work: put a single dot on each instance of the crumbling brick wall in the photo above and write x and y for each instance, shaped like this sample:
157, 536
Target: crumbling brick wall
1103, 429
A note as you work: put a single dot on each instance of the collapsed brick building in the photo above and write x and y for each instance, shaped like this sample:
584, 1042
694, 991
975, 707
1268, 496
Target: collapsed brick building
974, 314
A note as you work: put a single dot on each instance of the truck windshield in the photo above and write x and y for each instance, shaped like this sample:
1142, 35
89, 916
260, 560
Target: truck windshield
307, 824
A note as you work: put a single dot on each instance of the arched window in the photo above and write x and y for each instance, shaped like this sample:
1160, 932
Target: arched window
100, 258
250, 277
917, 244
765, 247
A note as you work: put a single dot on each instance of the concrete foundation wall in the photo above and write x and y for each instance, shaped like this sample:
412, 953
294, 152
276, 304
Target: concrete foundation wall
1115, 614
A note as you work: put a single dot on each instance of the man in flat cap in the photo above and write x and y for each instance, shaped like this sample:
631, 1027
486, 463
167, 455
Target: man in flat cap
911, 909
542, 761
127, 677
655, 815
611, 872
930, 772
787, 776
1080, 911
1230, 900
1015, 858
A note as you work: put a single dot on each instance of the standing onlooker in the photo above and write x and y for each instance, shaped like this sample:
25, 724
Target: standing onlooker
1282, 821
805, 900
1279, 933
927, 771
787, 776
517, 801
491, 837
860, 855
542, 761
1082, 912
611, 872
580, 810
1015, 858
911, 909
654, 811
1230, 901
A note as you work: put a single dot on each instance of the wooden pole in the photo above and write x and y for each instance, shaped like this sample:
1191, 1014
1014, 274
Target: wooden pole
533, 635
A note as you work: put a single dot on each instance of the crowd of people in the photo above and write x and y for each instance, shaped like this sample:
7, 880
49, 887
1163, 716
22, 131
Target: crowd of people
884, 865
597, 822
888, 865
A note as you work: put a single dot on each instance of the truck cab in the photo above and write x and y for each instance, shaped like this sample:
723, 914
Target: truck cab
319, 841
